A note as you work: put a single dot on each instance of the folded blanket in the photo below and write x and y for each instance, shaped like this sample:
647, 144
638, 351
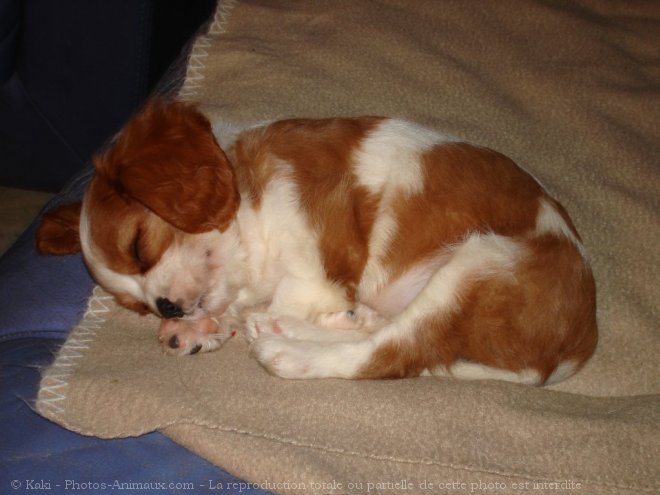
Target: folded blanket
571, 91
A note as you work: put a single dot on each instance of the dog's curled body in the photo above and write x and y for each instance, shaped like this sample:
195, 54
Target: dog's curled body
353, 248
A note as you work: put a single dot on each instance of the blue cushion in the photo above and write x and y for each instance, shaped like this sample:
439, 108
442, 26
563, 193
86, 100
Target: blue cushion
43, 296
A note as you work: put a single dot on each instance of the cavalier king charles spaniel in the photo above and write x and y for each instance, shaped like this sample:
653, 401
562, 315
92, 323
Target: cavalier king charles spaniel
347, 247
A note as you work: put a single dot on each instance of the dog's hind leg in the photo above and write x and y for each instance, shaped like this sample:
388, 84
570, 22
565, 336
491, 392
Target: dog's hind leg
413, 341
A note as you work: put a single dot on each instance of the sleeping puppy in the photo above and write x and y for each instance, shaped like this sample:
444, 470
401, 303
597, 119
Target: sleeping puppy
348, 247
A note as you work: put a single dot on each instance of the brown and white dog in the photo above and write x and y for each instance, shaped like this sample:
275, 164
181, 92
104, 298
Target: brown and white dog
353, 248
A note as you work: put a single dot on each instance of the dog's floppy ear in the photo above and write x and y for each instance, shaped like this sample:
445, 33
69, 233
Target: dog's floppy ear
167, 159
58, 232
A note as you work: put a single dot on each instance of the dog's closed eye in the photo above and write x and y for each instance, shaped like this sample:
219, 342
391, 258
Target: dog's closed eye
137, 253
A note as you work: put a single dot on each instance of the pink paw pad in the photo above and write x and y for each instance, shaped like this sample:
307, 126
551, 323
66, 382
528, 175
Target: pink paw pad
184, 335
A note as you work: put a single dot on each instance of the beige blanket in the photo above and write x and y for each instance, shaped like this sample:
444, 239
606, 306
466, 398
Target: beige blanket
570, 90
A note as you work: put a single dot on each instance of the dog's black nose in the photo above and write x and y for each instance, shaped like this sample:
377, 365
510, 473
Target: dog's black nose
168, 309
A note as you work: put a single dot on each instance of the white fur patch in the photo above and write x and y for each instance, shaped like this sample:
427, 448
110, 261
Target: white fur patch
466, 370
390, 156
549, 221
282, 254
563, 371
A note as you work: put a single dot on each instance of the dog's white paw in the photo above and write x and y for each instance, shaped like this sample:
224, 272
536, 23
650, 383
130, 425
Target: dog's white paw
186, 337
292, 358
284, 357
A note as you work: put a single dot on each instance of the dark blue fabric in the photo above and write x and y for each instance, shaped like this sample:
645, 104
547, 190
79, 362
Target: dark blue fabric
79, 69
73, 71
10, 25
34, 450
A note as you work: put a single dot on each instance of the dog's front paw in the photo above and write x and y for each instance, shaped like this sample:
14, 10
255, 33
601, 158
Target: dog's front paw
185, 337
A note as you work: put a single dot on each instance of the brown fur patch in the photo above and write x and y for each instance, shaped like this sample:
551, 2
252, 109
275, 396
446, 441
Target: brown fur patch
253, 163
466, 189
542, 318
167, 159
